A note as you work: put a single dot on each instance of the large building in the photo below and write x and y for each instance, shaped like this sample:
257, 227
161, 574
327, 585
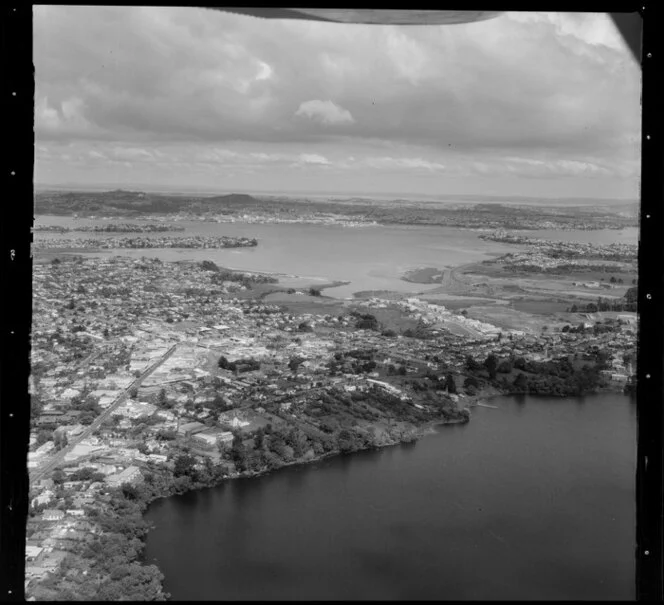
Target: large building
132, 475
53, 515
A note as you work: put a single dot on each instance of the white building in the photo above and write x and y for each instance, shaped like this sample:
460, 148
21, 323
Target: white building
132, 474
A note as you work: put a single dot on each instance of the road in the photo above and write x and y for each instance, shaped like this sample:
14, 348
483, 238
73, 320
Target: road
59, 457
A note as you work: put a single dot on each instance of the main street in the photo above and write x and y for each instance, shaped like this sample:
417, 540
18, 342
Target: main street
59, 457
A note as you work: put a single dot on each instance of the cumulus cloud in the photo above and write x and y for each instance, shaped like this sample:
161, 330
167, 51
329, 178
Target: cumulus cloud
324, 111
545, 87
313, 158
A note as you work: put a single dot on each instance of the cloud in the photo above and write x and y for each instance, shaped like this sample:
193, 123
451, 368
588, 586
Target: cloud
313, 158
546, 87
185, 74
389, 163
325, 112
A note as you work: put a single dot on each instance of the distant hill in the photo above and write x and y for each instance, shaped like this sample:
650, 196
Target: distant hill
121, 202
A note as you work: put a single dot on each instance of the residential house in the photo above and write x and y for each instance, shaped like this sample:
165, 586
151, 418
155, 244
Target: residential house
225, 438
43, 498
191, 428
237, 423
34, 572
32, 552
207, 438
53, 515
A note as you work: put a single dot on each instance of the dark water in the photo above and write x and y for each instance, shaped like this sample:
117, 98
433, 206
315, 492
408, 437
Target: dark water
534, 500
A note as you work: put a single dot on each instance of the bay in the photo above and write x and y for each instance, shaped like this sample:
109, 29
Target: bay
532, 500
370, 258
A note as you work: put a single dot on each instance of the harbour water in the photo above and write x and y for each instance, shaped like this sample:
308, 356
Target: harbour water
533, 499
370, 258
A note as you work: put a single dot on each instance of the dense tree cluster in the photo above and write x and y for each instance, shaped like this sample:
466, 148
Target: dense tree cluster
111, 559
627, 303
240, 365
357, 361
365, 321
559, 378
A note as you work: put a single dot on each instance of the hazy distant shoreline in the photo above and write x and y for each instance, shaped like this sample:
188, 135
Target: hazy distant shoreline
343, 195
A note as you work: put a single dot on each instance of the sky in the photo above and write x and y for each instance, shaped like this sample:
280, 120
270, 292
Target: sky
526, 104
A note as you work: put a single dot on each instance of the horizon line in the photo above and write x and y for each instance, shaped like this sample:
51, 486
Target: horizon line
150, 188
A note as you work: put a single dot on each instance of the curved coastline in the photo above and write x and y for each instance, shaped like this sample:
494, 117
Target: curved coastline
481, 399
411, 435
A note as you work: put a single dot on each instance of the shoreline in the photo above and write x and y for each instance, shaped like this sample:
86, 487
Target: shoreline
412, 436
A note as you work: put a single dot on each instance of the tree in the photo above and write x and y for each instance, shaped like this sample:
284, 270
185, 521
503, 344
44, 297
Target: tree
87, 418
471, 364
238, 453
294, 363
129, 491
520, 363
491, 364
84, 474
133, 392
366, 322
208, 265
345, 441
43, 436
184, 465
450, 384
631, 295
259, 438
60, 439
471, 382
520, 383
